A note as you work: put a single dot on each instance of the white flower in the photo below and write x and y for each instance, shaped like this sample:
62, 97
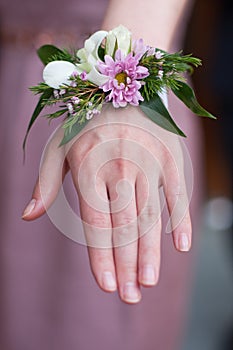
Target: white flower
89, 58
110, 44
57, 73
97, 78
119, 38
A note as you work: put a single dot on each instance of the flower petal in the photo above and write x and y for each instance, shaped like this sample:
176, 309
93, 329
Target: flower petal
110, 44
123, 36
92, 44
57, 73
96, 78
89, 54
85, 66
82, 54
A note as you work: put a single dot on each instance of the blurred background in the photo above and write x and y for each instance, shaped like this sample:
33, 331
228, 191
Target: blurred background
210, 37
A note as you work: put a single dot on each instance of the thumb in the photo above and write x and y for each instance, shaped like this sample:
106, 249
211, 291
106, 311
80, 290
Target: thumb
52, 172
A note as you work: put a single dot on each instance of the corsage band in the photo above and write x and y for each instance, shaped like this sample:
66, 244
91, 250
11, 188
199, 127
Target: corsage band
112, 68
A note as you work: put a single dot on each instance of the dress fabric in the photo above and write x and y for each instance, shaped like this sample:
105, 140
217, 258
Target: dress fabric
48, 297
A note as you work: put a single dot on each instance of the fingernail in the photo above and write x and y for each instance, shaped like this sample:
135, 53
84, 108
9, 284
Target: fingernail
108, 281
130, 293
148, 275
183, 242
29, 208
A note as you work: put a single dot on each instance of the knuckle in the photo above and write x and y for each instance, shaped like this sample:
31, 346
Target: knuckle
124, 131
98, 220
120, 166
149, 214
173, 188
79, 150
151, 211
126, 220
149, 219
123, 168
120, 146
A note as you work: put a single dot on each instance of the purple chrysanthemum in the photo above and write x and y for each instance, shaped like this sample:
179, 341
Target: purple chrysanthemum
124, 74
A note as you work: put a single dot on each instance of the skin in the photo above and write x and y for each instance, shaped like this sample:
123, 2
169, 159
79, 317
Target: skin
135, 159
155, 21
146, 157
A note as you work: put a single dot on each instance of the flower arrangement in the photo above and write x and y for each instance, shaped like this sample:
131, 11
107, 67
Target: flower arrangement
112, 68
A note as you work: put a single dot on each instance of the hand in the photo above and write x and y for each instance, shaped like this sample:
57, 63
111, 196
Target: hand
118, 164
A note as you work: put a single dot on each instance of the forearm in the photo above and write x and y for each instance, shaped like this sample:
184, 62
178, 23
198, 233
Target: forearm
153, 20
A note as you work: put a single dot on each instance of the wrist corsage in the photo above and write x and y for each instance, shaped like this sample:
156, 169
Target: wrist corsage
112, 68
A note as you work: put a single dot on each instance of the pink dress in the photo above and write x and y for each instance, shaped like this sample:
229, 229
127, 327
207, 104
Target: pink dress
48, 297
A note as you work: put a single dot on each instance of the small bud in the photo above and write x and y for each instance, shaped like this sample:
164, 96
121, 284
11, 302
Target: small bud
74, 74
62, 92
56, 93
160, 74
83, 76
89, 115
95, 111
75, 100
151, 51
70, 107
73, 84
158, 55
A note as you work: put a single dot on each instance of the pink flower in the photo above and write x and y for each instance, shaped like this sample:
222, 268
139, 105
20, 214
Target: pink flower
74, 74
139, 48
73, 84
83, 75
124, 74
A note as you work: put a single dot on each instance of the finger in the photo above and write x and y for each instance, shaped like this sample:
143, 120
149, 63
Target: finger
149, 226
52, 172
125, 240
98, 230
178, 205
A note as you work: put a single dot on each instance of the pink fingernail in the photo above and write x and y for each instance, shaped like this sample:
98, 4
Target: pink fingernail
29, 208
183, 242
148, 274
108, 281
131, 293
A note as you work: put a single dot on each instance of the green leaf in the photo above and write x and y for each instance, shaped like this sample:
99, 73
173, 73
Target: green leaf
158, 113
46, 52
46, 95
186, 94
76, 128
56, 114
